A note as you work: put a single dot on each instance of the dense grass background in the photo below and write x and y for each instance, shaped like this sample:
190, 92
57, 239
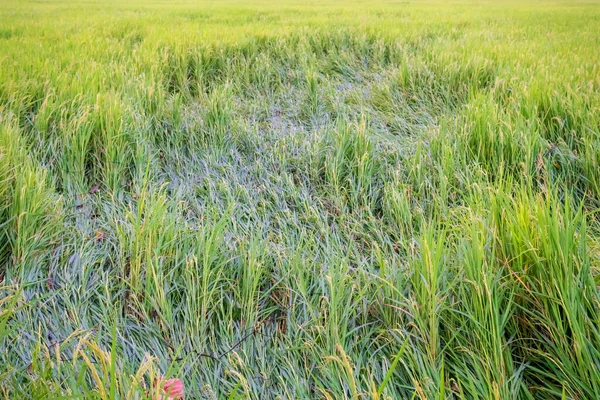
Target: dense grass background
300, 200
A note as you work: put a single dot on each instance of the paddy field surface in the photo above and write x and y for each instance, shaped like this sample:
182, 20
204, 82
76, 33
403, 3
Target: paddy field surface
300, 200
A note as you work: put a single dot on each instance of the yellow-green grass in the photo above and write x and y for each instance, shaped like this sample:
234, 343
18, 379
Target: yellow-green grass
333, 200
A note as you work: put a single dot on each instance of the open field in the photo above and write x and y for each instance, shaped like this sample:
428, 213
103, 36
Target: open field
364, 200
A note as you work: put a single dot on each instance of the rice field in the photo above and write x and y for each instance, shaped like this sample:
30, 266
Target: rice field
300, 200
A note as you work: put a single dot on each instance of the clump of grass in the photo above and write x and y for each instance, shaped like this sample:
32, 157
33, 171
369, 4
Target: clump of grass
543, 242
30, 221
349, 164
217, 118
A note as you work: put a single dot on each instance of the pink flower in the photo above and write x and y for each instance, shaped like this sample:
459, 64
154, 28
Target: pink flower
169, 389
